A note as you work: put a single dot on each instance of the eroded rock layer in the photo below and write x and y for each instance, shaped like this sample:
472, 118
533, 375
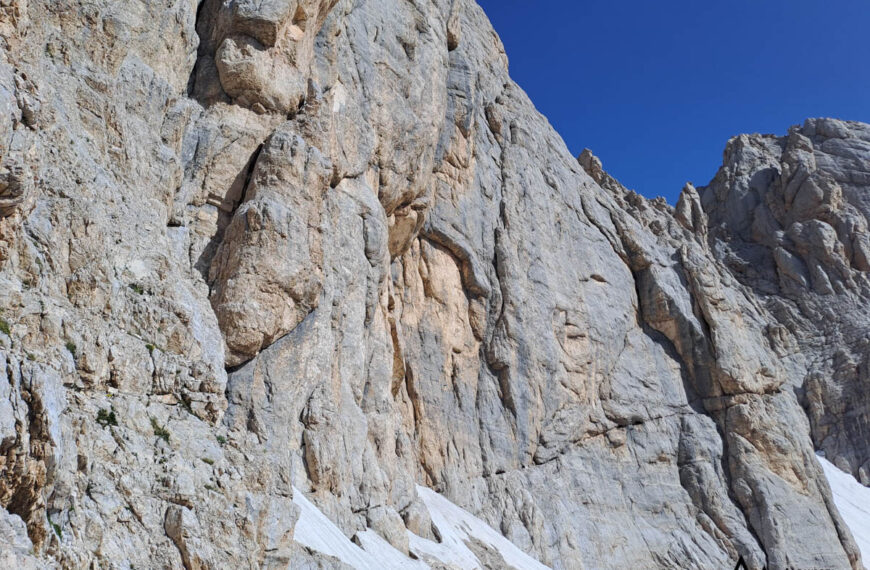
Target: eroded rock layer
248, 247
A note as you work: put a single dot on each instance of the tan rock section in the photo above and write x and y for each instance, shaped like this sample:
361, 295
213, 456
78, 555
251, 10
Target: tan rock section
267, 272
251, 246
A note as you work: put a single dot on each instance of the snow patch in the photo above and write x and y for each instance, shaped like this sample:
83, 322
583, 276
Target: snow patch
317, 532
853, 501
385, 554
455, 525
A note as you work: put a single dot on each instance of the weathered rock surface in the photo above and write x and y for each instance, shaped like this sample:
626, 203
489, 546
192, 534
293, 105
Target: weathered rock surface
789, 217
252, 246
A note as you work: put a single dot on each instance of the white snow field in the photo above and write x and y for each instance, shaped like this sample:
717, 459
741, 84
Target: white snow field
853, 501
317, 532
454, 524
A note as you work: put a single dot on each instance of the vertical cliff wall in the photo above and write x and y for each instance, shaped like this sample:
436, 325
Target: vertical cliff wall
274, 264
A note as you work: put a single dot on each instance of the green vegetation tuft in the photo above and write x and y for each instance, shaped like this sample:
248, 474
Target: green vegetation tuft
136, 288
159, 430
208, 461
221, 439
71, 347
107, 418
57, 530
5, 328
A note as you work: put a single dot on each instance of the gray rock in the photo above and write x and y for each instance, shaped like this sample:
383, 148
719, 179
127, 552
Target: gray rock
331, 245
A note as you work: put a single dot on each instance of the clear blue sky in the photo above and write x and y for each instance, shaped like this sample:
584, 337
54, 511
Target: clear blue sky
656, 89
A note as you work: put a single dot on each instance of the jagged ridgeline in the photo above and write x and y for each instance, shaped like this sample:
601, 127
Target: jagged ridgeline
311, 284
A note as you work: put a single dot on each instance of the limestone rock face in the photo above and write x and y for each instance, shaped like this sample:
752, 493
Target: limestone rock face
273, 264
789, 216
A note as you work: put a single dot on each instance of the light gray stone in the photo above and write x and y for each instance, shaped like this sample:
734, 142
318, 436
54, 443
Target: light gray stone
252, 245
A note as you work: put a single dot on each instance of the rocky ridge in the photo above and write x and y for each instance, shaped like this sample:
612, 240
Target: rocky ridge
258, 250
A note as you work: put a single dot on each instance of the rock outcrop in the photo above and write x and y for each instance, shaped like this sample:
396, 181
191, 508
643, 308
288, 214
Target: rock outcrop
270, 262
788, 217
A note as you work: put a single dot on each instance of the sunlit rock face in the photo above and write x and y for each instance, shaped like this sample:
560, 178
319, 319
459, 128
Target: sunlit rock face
270, 262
